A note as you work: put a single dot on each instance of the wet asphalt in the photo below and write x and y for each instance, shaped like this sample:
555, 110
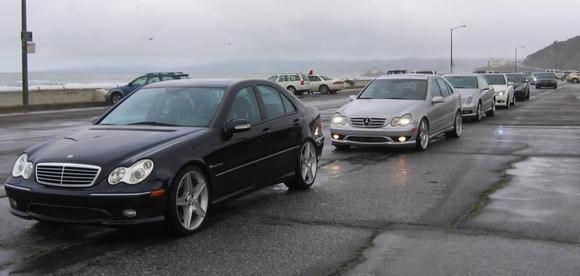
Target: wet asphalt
502, 199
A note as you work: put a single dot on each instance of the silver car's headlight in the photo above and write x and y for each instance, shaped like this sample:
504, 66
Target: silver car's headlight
22, 167
468, 100
402, 121
500, 93
132, 175
338, 119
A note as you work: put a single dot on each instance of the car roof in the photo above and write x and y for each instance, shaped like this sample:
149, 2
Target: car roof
462, 75
406, 76
196, 82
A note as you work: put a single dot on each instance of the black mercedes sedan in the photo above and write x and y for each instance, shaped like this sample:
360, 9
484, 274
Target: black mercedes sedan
168, 152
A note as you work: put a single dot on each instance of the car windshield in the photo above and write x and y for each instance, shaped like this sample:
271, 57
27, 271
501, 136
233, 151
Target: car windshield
326, 78
396, 89
495, 79
463, 82
174, 106
545, 75
517, 78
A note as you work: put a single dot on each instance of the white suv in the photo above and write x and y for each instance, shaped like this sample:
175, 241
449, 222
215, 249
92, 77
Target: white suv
297, 83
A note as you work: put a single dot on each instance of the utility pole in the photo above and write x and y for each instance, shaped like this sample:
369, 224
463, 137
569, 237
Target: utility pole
451, 56
516, 57
24, 37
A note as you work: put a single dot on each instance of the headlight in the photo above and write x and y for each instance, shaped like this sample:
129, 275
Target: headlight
338, 119
500, 93
402, 121
22, 167
468, 100
132, 175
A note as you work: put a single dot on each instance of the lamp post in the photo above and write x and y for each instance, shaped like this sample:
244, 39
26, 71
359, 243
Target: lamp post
516, 57
453, 29
25, 38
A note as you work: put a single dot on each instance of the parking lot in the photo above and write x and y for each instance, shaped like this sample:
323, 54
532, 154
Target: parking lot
502, 199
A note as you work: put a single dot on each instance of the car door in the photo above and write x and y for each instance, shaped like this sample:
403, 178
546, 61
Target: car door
315, 82
486, 94
436, 113
449, 104
235, 163
282, 132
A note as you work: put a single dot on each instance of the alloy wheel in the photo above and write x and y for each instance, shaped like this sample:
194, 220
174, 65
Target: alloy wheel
192, 200
308, 163
423, 135
458, 124
479, 112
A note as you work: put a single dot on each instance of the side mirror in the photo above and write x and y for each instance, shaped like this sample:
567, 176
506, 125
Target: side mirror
236, 126
437, 99
485, 89
352, 98
510, 83
95, 120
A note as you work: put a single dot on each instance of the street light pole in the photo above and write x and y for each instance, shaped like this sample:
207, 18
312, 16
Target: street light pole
516, 57
451, 55
24, 42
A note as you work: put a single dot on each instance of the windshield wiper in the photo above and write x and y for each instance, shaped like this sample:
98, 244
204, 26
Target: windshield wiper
152, 124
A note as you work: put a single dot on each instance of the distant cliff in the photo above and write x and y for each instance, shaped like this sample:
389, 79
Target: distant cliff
558, 55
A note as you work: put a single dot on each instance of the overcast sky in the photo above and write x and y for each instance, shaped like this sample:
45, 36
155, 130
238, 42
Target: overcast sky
85, 33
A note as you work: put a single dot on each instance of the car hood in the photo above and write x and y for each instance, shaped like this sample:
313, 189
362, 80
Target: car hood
379, 108
498, 88
467, 92
106, 145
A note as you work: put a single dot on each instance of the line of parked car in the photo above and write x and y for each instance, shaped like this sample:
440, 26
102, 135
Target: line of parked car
409, 109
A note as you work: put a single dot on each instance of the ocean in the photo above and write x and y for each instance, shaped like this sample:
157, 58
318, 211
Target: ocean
54, 80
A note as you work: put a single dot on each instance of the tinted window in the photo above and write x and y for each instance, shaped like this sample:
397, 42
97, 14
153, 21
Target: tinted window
288, 105
166, 78
545, 75
435, 91
284, 78
495, 79
463, 82
517, 78
272, 101
178, 106
139, 81
245, 106
153, 79
445, 91
294, 78
313, 78
273, 78
396, 89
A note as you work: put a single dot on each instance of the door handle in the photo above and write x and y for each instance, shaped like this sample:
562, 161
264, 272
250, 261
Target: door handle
296, 122
266, 132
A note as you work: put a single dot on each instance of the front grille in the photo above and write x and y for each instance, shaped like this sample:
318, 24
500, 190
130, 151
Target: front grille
66, 212
368, 122
66, 174
367, 139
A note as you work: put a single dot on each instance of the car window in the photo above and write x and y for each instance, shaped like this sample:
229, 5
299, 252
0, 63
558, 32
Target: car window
139, 81
294, 78
313, 78
445, 91
435, 90
284, 78
166, 78
303, 77
273, 78
288, 105
326, 78
482, 82
272, 101
495, 79
245, 106
153, 79
463, 82
395, 89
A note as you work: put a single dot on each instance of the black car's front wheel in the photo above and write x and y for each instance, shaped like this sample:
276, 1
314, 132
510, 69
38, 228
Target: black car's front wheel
306, 169
189, 201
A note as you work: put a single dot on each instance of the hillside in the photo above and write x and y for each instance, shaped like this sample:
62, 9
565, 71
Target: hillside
558, 55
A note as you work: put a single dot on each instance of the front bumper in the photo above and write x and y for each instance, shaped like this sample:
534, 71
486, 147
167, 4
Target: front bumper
74, 205
503, 99
385, 136
468, 110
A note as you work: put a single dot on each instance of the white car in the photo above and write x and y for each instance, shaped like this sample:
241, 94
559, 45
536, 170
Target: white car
504, 90
325, 85
296, 83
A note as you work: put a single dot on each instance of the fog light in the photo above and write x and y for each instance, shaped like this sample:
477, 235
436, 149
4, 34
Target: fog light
335, 136
402, 139
13, 203
130, 213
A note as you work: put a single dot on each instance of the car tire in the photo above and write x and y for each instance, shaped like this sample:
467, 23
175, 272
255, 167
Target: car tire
513, 102
116, 97
555, 86
323, 89
306, 168
537, 87
575, 80
478, 112
342, 147
457, 126
491, 112
527, 95
291, 89
422, 140
189, 201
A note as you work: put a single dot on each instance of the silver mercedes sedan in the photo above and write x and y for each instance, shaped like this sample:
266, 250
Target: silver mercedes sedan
477, 95
398, 110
